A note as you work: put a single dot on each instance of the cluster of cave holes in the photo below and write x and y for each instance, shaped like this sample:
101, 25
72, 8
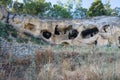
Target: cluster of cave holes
30, 27
73, 33
89, 32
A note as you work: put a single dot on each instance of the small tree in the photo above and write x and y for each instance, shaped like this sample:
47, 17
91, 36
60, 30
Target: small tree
96, 9
79, 13
116, 11
6, 3
59, 12
35, 7
107, 8
18, 7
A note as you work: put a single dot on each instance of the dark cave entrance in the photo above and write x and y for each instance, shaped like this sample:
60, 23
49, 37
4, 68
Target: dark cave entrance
56, 32
46, 34
119, 39
89, 32
95, 42
73, 33
105, 27
67, 29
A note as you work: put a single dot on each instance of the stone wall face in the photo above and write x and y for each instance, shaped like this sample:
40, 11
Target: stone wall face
99, 31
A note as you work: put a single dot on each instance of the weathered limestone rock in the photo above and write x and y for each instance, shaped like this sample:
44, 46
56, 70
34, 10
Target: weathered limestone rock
98, 30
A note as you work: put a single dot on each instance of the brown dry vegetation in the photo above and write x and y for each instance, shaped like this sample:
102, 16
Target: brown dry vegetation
62, 65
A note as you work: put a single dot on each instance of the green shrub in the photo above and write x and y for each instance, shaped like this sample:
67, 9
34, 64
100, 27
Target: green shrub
6, 30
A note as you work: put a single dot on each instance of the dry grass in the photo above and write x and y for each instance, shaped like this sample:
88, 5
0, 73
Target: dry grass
62, 65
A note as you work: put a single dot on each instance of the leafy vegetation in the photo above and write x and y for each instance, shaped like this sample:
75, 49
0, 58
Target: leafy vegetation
59, 11
9, 33
96, 9
36, 7
71, 9
7, 30
5, 3
108, 9
18, 7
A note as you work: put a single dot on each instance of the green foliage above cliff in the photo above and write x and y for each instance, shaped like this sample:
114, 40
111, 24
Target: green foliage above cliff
70, 9
36, 7
96, 9
59, 11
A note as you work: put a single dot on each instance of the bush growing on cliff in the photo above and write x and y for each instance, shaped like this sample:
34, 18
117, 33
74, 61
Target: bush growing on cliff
9, 33
6, 30
18, 7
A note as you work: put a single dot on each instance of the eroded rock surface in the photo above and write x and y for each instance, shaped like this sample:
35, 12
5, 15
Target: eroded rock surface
99, 31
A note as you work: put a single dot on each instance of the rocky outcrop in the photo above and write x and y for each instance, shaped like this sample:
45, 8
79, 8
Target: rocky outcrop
99, 31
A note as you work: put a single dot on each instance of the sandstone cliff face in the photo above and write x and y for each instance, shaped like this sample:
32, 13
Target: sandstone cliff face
99, 31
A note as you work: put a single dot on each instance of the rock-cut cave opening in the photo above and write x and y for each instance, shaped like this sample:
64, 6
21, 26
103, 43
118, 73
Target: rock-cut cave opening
67, 29
105, 27
73, 34
46, 34
89, 32
30, 27
65, 43
119, 39
56, 32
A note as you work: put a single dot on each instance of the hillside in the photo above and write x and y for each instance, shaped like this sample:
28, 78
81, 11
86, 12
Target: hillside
32, 48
